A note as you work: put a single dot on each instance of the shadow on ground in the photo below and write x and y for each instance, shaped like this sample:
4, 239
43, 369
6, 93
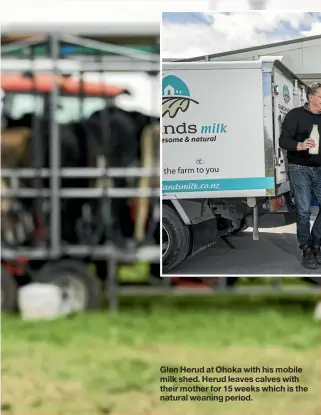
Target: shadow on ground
275, 253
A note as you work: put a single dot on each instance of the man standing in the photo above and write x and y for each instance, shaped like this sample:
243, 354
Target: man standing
305, 172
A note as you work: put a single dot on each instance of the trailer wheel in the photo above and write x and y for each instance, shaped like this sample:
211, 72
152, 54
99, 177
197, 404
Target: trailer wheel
83, 288
155, 268
176, 239
9, 288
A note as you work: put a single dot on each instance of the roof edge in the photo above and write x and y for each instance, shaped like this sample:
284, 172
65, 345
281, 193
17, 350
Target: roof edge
252, 48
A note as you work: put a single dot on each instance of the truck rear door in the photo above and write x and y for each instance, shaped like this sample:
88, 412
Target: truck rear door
283, 101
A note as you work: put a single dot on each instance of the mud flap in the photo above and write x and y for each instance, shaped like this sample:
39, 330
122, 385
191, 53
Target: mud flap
201, 221
204, 234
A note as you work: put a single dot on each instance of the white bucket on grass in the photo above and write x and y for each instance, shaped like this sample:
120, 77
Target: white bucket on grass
42, 302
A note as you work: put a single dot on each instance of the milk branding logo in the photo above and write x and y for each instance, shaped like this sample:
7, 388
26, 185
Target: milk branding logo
175, 96
286, 94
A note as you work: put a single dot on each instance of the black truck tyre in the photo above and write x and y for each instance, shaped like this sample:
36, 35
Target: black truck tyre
9, 292
178, 239
85, 287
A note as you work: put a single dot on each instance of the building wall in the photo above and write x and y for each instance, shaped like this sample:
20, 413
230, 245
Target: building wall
302, 58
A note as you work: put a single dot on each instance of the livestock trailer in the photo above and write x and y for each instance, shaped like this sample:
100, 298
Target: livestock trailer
66, 180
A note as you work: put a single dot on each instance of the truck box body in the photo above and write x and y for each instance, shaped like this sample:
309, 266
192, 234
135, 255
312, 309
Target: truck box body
221, 124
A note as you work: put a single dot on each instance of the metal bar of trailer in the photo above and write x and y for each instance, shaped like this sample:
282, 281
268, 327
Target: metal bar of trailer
124, 67
107, 66
256, 290
141, 28
81, 58
112, 285
83, 193
19, 44
105, 47
55, 216
155, 148
78, 59
94, 172
39, 65
37, 154
107, 204
149, 253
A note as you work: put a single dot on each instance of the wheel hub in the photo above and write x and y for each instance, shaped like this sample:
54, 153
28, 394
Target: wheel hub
74, 292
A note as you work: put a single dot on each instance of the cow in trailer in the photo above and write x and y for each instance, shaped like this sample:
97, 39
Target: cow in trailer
110, 137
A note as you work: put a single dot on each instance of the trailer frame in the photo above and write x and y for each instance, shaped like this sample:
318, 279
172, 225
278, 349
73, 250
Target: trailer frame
131, 60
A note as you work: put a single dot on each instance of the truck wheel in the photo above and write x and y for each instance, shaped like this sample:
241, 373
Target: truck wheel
176, 239
9, 290
82, 288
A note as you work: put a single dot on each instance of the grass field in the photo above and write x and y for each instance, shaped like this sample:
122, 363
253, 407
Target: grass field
110, 363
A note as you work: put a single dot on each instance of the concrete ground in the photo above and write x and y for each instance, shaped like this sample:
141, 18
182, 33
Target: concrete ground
275, 253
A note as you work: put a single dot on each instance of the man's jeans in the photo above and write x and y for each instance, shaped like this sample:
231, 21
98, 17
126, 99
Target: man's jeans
306, 181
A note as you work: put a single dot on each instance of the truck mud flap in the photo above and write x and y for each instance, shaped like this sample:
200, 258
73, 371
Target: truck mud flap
204, 234
273, 220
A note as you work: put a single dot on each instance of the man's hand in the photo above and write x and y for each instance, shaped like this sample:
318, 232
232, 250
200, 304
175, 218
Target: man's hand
306, 145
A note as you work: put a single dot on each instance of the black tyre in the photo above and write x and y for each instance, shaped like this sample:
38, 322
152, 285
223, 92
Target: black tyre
176, 239
84, 289
155, 269
9, 289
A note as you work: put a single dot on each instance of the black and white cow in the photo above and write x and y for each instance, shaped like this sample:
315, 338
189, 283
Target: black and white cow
111, 136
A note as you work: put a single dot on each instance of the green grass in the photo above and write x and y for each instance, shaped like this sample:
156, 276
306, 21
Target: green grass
102, 363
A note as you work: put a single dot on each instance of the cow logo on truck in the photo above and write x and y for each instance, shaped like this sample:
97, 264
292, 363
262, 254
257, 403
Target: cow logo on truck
286, 94
175, 96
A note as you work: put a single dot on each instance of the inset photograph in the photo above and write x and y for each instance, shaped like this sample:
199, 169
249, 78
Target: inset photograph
241, 121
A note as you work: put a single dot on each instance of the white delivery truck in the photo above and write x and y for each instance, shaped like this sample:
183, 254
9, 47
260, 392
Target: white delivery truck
222, 167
